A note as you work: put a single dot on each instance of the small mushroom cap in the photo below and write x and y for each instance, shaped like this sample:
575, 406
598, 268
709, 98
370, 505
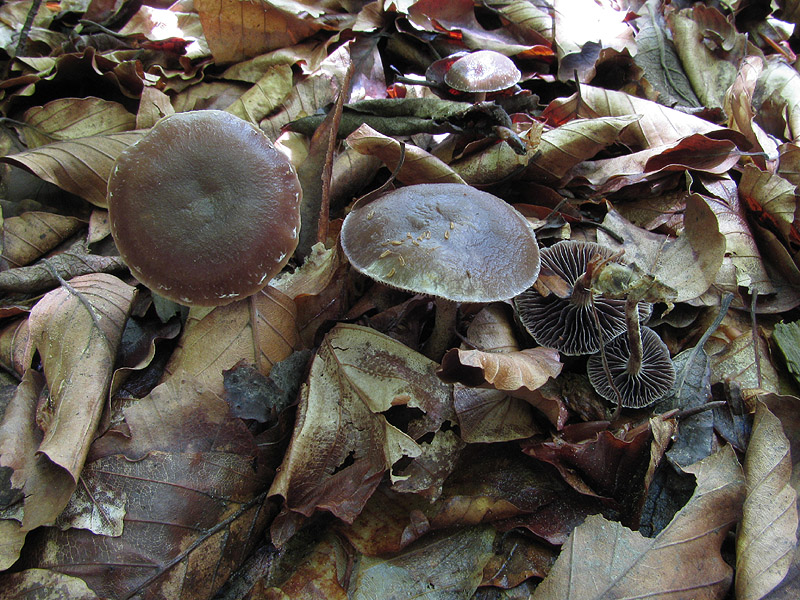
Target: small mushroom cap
482, 71
655, 378
567, 324
203, 209
443, 239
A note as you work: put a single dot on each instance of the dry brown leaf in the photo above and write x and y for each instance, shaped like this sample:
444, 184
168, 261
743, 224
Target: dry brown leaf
315, 92
72, 118
487, 415
80, 166
260, 329
571, 143
658, 125
737, 362
438, 567
767, 535
604, 559
343, 443
418, 166
16, 349
76, 330
515, 372
189, 484
265, 96
32, 583
315, 577
776, 99
236, 31
761, 190
740, 245
33, 234
710, 49
688, 264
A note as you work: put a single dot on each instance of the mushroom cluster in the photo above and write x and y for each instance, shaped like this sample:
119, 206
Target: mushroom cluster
203, 209
445, 240
567, 323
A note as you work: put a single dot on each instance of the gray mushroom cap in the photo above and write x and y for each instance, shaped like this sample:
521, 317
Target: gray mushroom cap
446, 240
567, 324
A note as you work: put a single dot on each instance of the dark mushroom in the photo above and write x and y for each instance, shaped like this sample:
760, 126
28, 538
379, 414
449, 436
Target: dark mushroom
203, 209
449, 241
640, 380
567, 323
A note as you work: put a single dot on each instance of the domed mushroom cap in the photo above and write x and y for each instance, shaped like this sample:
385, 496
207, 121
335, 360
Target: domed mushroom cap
203, 209
482, 71
567, 324
655, 378
443, 239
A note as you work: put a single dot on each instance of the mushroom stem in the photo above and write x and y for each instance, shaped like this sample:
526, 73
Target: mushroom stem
634, 335
444, 326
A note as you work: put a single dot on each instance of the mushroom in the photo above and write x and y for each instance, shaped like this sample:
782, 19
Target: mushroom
445, 240
567, 323
203, 209
642, 371
481, 72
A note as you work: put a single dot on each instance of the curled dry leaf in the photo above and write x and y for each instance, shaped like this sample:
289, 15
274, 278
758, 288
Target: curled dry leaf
343, 443
769, 196
418, 166
77, 330
16, 349
487, 415
265, 96
604, 559
260, 329
569, 144
767, 535
81, 166
191, 499
516, 372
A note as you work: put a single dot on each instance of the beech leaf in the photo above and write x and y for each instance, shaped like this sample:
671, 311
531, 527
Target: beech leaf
76, 330
71, 118
260, 329
343, 443
604, 559
80, 166
766, 538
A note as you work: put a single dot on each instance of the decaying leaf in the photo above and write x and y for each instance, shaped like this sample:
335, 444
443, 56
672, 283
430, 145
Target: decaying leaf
192, 497
76, 329
766, 538
72, 118
260, 329
344, 440
604, 559
418, 165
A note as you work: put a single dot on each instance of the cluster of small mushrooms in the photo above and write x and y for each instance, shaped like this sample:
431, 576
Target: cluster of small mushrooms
205, 210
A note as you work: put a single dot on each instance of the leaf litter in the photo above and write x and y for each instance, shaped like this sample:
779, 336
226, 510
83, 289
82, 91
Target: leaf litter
297, 443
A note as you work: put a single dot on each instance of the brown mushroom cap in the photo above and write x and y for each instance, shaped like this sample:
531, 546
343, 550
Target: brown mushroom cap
482, 71
203, 209
567, 324
654, 379
443, 239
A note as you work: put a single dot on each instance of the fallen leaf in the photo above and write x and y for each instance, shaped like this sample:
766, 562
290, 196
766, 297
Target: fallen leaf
766, 537
343, 442
80, 166
33, 234
72, 118
76, 329
418, 166
604, 559
260, 329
